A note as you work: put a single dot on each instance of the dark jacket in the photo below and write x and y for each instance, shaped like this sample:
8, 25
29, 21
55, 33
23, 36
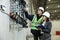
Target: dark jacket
47, 30
48, 26
30, 17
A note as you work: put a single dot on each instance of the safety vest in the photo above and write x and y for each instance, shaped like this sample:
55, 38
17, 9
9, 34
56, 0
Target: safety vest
35, 22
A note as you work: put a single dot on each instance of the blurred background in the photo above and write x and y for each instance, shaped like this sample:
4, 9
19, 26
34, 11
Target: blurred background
11, 29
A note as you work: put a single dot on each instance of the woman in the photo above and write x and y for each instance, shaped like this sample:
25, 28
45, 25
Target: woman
45, 27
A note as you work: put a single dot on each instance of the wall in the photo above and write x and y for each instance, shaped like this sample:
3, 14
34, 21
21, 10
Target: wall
55, 27
4, 21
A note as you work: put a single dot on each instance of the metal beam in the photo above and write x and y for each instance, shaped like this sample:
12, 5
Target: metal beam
53, 8
53, 3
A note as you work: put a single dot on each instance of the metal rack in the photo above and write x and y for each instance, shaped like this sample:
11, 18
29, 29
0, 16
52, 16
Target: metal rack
15, 6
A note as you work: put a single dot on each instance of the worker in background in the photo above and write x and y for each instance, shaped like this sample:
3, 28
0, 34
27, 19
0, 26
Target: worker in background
47, 27
36, 21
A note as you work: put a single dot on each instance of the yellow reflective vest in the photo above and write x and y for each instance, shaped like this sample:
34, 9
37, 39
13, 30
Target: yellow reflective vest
35, 22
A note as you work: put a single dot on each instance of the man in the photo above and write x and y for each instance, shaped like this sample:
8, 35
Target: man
36, 21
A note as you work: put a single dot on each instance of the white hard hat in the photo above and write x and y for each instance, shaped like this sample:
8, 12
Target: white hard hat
47, 14
41, 8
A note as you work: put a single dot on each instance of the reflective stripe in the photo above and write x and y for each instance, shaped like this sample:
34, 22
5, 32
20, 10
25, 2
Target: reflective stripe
34, 28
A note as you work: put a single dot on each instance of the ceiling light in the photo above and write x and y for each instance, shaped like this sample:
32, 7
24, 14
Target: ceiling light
47, 7
55, 11
49, 0
58, 6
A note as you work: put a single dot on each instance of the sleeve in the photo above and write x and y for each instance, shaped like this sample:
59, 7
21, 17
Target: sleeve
30, 17
48, 28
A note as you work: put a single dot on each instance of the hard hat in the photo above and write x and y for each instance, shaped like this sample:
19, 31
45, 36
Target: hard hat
47, 14
41, 8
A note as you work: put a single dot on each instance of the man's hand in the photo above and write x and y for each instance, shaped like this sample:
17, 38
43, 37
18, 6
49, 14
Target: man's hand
40, 29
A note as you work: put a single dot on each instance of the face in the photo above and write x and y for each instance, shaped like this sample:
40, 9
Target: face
39, 12
44, 18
